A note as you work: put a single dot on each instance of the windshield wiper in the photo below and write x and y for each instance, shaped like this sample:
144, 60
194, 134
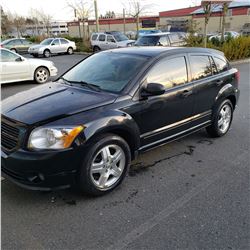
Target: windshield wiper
65, 81
88, 85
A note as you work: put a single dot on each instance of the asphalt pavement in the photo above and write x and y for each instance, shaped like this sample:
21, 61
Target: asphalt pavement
190, 194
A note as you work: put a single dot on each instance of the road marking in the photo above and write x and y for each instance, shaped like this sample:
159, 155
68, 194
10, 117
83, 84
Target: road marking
179, 203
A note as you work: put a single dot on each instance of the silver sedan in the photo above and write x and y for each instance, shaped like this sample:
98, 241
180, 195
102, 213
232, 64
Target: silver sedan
52, 46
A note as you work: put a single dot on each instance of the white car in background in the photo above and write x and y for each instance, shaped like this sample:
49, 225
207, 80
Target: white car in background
52, 46
16, 68
232, 34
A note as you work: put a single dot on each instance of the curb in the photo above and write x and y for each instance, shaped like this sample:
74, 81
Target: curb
82, 53
240, 61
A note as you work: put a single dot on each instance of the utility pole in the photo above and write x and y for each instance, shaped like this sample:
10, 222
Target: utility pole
96, 16
124, 21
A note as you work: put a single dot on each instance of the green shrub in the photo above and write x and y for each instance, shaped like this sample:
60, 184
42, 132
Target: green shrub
233, 48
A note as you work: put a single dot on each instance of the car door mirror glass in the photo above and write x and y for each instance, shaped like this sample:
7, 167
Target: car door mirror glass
52, 44
19, 59
153, 89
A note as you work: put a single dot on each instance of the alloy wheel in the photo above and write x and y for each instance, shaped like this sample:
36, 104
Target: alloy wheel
224, 119
42, 75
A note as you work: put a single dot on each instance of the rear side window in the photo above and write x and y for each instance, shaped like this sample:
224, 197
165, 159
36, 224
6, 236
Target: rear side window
64, 41
94, 37
221, 64
169, 72
201, 67
102, 38
14, 42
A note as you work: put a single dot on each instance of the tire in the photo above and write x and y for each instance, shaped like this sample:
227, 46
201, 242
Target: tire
14, 50
96, 49
41, 75
46, 53
221, 119
70, 51
35, 55
101, 171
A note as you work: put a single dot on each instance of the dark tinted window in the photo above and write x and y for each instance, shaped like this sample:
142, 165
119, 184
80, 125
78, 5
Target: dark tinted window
169, 72
110, 71
14, 42
63, 41
221, 65
164, 41
201, 67
147, 41
94, 37
102, 38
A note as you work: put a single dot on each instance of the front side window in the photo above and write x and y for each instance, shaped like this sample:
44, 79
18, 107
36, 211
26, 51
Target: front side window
221, 65
56, 42
25, 42
169, 72
200, 66
147, 41
110, 39
109, 71
7, 56
102, 38
174, 38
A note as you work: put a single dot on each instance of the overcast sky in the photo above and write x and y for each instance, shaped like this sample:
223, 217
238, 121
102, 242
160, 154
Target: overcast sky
59, 10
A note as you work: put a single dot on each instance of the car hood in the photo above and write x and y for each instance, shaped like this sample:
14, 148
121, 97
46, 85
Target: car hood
124, 43
36, 47
52, 101
39, 61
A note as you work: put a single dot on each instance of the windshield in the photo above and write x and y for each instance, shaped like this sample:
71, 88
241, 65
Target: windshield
47, 41
147, 41
120, 37
109, 71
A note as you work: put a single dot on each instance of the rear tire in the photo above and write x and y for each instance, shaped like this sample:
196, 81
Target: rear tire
104, 165
46, 53
221, 119
41, 75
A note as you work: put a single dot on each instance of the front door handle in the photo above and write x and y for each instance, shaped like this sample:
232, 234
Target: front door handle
219, 82
186, 93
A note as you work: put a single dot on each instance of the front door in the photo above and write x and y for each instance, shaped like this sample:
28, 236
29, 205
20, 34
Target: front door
167, 114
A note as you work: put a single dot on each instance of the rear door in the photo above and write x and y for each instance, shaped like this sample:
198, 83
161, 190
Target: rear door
208, 77
64, 45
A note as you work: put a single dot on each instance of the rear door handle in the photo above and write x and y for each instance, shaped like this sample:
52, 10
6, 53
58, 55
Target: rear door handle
219, 82
186, 93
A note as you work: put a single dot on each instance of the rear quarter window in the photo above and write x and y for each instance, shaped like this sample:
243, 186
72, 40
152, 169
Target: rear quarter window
94, 37
221, 64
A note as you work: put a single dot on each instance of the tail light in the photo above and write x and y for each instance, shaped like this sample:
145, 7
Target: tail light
237, 76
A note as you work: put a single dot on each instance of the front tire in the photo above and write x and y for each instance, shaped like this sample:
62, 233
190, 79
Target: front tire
96, 49
70, 51
41, 75
222, 119
46, 53
105, 165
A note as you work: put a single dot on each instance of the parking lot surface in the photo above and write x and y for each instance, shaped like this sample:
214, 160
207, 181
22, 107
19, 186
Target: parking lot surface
190, 194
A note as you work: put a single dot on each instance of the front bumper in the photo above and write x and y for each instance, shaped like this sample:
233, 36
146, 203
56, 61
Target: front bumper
41, 170
53, 71
35, 52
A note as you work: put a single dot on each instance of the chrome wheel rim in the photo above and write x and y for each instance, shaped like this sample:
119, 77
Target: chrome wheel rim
42, 75
224, 118
107, 166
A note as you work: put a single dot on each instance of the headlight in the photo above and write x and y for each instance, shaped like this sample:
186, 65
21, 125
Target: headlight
53, 138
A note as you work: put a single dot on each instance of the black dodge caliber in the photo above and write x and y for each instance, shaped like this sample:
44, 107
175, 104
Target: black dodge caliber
86, 127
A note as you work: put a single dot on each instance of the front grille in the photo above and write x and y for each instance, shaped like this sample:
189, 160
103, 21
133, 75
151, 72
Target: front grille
9, 134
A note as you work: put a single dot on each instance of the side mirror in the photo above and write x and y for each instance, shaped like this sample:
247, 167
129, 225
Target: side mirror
153, 89
19, 59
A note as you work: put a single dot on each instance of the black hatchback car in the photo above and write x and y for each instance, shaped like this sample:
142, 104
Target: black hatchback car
87, 126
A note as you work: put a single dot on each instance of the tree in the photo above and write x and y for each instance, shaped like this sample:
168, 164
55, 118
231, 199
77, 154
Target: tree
5, 23
207, 7
82, 11
136, 9
225, 6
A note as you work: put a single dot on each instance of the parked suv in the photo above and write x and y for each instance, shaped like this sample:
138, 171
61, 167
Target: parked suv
86, 127
109, 40
162, 39
52, 46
